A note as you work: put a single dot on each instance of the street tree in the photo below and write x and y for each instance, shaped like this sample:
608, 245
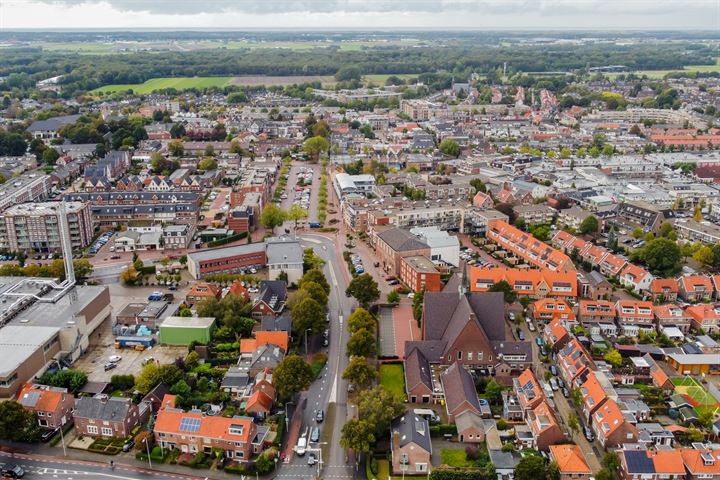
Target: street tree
296, 213
662, 256
317, 276
272, 216
315, 146
361, 319
292, 375
359, 372
379, 407
308, 314
176, 148
364, 289
18, 424
362, 343
450, 147
531, 467
357, 435
316, 292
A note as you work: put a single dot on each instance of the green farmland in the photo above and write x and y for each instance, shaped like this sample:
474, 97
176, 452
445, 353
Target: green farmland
179, 83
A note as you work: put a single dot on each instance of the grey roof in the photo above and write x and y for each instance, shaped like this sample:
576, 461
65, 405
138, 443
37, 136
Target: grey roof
401, 240
113, 409
235, 378
283, 250
459, 387
488, 309
513, 348
413, 429
273, 293
468, 419
171, 196
432, 350
504, 460
19, 342
595, 278
52, 123
273, 323
417, 370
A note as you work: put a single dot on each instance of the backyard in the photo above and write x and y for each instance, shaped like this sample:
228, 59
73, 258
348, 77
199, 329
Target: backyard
392, 378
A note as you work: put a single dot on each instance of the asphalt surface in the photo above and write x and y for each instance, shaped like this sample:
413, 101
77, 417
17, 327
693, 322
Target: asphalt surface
329, 391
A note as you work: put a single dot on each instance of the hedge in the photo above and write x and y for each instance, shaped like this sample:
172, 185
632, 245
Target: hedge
454, 474
231, 238
148, 270
442, 429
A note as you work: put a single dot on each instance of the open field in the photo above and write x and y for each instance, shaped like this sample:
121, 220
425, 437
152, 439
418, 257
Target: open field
393, 378
184, 83
696, 394
659, 74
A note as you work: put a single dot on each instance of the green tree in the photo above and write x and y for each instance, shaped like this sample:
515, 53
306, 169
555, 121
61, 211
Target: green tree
666, 228
315, 146
493, 392
176, 148
69, 378
638, 233
531, 467
237, 97
364, 289
507, 290
565, 153
291, 376
590, 225
379, 407
357, 435
393, 297
272, 216
608, 150
359, 372
573, 423
361, 319
662, 256
478, 185
208, 163
296, 213
316, 292
704, 256
693, 434
317, 276
152, 374
611, 461
50, 156
18, 424
450, 147
614, 358
362, 343
307, 314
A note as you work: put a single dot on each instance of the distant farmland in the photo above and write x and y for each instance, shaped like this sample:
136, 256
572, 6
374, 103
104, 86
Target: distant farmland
184, 83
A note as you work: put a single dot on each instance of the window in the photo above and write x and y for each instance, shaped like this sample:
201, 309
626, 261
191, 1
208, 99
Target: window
469, 356
41, 414
421, 467
92, 429
107, 432
459, 355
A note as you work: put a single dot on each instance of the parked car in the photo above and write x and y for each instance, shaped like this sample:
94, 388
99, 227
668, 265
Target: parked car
315, 434
128, 446
109, 366
566, 392
539, 341
48, 434
114, 358
311, 459
553, 370
521, 336
13, 471
320, 416
588, 434
554, 385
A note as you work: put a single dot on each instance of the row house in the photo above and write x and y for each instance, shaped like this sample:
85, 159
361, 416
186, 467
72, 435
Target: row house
663, 290
108, 417
573, 361
611, 427
671, 315
544, 427
651, 464
528, 391
549, 309
556, 334
529, 248
705, 317
701, 462
532, 282
571, 462
53, 406
599, 316
634, 317
593, 396
695, 288
239, 438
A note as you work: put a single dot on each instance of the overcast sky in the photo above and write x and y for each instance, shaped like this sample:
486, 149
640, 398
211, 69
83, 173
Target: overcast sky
450, 14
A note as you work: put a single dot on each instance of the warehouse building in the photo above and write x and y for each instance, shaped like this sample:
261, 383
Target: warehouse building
186, 330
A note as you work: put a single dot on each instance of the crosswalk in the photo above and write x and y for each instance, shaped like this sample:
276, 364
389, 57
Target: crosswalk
337, 472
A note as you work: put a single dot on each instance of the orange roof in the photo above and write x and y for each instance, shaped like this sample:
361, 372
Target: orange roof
692, 281
204, 289
237, 289
553, 308
658, 285
569, 459
660, 378
48, 400
279, 339
696, 464
592, 392
259, 402
557, 330
670, 311
634, 272
597, 307
544, 418
528, 378
666, 462
704, 312
169, 418
608, 417
634, 308
558, 283
528, 247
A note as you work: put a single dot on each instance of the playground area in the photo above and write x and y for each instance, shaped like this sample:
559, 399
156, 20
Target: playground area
696, 394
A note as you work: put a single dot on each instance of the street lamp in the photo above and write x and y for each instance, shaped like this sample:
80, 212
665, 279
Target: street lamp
62, 436
306, 347
287, 421
147, 447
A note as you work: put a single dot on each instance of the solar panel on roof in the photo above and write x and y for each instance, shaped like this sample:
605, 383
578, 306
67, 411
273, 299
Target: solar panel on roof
528, 385
638, 462
190, 425
30, 399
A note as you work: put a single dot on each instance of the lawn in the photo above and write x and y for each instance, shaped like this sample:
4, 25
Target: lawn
179, 83
455, 458
701, 399
392, 377
383, 471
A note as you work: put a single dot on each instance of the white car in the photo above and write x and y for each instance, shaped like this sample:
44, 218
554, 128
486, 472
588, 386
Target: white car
411, 295
114, 358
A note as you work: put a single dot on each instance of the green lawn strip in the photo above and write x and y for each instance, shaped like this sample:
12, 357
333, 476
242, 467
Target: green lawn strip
392, 378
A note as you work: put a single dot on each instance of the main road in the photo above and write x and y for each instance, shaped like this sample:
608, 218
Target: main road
329, 391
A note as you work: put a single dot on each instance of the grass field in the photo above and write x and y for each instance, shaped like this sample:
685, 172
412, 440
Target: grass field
455, 458
180, 83
699, 397
392, 377
659, 74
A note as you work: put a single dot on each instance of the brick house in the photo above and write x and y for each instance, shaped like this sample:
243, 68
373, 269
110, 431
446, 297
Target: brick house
393, 244
705, 316
571, 462
598, 315
544, 427
572, 361
651, 464
695, 288
411, 445
528, 391
634, 316
701, 463
108, 417
663, 290
593, 396
238, 437
420, 273
418, 378
202, 291
610, 426
556, 335
460, 393
271, 299
53, 406
671, 315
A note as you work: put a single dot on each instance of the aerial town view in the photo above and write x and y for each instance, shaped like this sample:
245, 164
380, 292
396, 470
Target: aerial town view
377, 240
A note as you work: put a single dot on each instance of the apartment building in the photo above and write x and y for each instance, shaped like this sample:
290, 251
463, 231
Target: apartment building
420, 273
29, 187
528, 248
534, 283
692, 231
34, 226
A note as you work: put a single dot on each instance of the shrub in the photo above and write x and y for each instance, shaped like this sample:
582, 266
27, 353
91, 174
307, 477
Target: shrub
471, 452
374, 465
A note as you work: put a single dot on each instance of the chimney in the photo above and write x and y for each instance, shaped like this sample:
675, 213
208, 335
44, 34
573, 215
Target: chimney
396, 439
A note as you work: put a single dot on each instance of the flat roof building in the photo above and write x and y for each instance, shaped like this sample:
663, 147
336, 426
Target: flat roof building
26, 350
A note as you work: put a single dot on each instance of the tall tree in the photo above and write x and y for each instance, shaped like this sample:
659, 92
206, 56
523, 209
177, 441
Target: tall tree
317, 276
272, 216
379, 407
362, 343
662, 256
590, 225
360, 319
296, 213
307, 314
364, 289
531, 467
315, 146
292, 376
507, 290
17, 424
359, 372
358, 436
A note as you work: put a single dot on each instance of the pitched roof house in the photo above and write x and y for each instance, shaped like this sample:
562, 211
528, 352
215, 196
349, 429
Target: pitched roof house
411, 445
610, 426
53, 406
544, 426
695, 288
460, 393
271, 299
573, 360
570, 461
663, 289
651, 464
108, 417
418, 378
